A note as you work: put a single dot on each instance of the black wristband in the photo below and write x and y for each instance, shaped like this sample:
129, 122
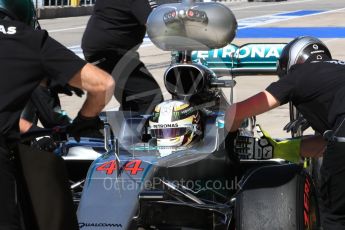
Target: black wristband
34, 128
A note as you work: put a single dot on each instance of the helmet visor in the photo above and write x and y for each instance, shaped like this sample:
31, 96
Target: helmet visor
169, 132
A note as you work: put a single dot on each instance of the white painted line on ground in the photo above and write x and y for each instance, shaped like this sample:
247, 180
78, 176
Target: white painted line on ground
66, 29
267, 19
273, 4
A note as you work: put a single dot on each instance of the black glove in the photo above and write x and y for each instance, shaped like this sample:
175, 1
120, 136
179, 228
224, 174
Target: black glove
230, 146
232, 157
68, 90
45, 143
230, 141
295, 125
85, 127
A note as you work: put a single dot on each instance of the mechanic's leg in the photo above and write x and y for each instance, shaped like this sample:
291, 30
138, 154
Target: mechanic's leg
104, 60
135, 89
333, 185
9, 206
141, 93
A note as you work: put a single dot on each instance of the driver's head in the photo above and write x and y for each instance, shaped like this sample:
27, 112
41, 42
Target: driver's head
19, 10
300, 50
175, 123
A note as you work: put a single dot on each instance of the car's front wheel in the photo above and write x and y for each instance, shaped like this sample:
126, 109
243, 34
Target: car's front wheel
292, 205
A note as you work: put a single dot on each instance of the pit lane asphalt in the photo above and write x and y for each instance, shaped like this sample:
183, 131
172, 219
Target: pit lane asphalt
69, 31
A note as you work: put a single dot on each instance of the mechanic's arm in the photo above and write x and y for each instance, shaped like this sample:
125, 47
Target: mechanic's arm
99, 86
313, 146
254, 105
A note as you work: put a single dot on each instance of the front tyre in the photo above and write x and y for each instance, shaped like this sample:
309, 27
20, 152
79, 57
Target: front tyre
290, 206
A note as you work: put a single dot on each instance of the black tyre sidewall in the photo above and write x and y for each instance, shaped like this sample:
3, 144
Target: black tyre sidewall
301, 192
308, 217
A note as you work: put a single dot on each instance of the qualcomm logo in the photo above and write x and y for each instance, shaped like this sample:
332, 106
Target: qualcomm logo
83, 225
247, 51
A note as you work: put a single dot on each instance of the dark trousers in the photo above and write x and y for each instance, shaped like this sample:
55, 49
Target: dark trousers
333, 183
34, 191
10, 218
136, 89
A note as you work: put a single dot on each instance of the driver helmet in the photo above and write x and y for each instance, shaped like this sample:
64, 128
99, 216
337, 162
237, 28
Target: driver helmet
299, 51
20, 10
175, 123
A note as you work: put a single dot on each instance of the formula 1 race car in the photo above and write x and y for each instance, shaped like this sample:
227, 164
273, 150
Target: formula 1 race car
133, 183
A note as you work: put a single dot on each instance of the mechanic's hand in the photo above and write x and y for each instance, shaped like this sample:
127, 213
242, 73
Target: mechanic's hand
45, 143
230, 141
76, 91
85, 127
68, 90
248, 147
295, 125
266, 147
230, 147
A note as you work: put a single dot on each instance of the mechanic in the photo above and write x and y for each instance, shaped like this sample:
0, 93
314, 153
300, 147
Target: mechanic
315, 84
27, 56
111, 39
44, 105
